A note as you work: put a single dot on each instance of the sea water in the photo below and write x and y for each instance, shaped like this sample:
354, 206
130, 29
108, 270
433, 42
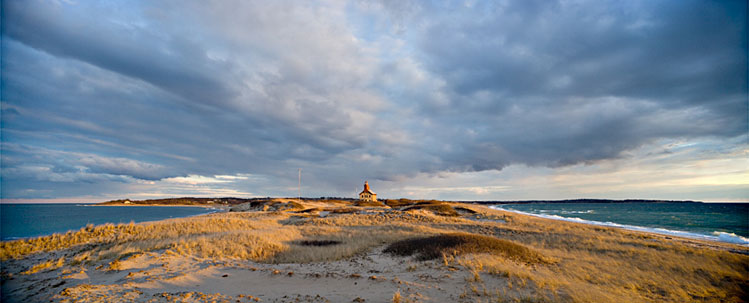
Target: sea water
32, 220
725, 222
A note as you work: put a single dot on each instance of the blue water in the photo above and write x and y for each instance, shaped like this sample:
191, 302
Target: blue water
727, 222
32, 220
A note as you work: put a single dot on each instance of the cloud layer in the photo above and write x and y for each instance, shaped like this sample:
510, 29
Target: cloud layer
107, 99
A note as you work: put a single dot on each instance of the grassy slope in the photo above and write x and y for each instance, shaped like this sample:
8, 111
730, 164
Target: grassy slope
581, 263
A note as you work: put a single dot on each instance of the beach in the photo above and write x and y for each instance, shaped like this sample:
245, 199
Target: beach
286, 250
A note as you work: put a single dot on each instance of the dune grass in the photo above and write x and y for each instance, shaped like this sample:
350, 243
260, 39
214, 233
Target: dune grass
442, 209
398, 203
317, 242
46, 265
454, 244
537, 258
362, 203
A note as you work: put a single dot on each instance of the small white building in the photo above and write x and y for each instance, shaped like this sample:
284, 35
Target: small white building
367, 194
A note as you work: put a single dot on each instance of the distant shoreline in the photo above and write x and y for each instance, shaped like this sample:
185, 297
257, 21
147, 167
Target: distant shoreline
228, 202
163, 205
587, 201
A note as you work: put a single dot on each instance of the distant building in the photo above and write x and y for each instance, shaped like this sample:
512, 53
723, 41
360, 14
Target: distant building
366, 194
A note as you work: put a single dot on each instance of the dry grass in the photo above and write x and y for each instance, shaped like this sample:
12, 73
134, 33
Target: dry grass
590, 263
397, 297
362, 203
47, 265
257, 236
398, 203
269, 205
317, 242
596, 264
235, 235
454, 244
442, 209
466, 210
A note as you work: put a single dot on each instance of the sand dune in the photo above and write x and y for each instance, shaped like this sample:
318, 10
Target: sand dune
328, 251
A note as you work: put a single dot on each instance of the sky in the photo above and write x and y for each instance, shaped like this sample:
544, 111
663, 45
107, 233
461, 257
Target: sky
452, 100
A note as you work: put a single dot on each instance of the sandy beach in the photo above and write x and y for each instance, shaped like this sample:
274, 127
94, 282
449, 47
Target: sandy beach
284, 250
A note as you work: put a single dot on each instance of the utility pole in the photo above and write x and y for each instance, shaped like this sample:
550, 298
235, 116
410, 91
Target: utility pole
300, 184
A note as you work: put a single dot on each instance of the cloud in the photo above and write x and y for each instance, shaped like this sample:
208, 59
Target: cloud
105, 98
564, 83
123, 166
76, 166
68, 31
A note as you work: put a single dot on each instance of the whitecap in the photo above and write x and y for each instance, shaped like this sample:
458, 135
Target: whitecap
566, 212
731, 238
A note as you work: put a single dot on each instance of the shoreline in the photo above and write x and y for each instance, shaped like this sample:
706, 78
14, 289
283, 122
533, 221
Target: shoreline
728, 238
700, 242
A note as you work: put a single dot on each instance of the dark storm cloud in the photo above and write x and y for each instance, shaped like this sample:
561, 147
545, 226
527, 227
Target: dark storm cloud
562, 82
672, 51
176, 64
112, 94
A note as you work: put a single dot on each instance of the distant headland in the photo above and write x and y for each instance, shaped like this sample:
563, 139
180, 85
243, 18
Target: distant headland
229, 201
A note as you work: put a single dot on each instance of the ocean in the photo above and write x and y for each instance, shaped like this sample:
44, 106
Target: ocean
33, 220
724, 222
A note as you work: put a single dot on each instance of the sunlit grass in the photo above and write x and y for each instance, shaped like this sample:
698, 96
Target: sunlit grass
537, 258
47, 265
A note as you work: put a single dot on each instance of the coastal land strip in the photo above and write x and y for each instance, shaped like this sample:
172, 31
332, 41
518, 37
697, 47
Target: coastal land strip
333, 250
191, 201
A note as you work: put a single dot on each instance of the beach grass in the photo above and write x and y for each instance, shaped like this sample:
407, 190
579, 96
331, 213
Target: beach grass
537, 259
454, 244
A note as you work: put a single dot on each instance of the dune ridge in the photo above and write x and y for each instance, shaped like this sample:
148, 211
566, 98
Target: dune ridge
288, 250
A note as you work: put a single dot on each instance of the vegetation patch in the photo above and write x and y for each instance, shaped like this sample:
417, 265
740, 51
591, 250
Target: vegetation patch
369, 203
48, 265
461, 209
273, 206
294, 205
441, 209
332, 210
317, 242
454, 244
342, 210
398, 203
309, 210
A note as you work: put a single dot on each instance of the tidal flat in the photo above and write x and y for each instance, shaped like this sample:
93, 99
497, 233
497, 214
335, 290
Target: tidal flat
287, 250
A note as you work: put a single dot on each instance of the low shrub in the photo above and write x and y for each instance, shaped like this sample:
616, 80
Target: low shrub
342, 210
398, 203
465, 210
454, 244
309, 210
437, 208
369, 203
317, 242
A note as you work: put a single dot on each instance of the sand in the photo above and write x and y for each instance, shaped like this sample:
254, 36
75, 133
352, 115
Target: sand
153, 277
371, 276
